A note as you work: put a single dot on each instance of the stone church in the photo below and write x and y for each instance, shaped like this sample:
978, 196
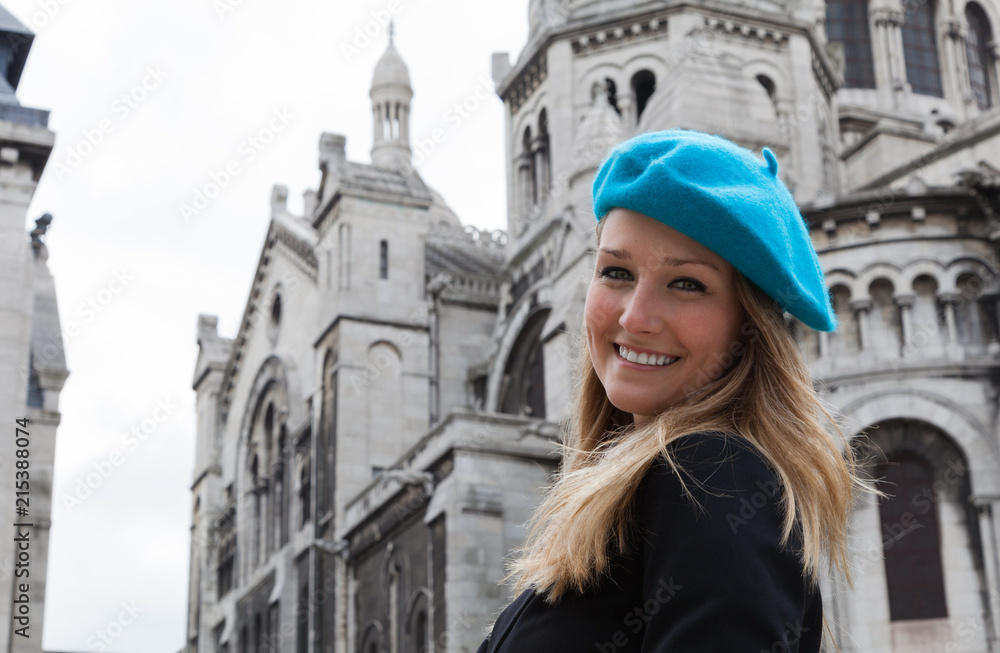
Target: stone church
374, 437
32, 357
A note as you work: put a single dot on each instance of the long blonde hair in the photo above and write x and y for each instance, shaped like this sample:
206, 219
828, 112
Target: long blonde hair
765, 396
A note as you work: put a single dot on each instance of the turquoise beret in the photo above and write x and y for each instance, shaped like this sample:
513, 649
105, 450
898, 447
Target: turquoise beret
727, 199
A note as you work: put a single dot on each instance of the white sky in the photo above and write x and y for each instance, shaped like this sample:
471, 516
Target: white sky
219, 80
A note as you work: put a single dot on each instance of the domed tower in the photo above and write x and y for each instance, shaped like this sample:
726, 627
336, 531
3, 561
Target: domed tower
391, 94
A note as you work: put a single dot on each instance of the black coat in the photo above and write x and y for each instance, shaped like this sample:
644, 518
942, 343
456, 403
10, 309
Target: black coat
695, 580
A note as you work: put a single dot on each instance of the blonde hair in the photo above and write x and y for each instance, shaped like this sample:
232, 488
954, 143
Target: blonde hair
765, 396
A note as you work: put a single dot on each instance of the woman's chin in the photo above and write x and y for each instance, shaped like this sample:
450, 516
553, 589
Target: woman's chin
641, 411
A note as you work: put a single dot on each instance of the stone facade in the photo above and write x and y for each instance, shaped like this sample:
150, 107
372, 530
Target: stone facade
374, 438
32, 360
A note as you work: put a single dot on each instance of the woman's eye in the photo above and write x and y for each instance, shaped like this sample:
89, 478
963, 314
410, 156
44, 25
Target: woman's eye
619, 274
689, 285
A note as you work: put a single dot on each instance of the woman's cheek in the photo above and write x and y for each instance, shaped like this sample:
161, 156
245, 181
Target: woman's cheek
600, 308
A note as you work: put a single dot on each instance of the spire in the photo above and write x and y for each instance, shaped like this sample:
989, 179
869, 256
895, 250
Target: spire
391, 94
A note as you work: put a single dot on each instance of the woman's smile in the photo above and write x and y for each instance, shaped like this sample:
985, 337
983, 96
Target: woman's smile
643, 357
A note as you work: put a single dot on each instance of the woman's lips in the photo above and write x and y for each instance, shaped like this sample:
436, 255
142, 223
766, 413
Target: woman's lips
651, 359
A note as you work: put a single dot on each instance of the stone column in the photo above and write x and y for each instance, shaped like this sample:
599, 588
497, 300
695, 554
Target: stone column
824, 343
890, 72
862, 309
986, 507
954, 59
953, 350
540, 153
948, 300
905, 304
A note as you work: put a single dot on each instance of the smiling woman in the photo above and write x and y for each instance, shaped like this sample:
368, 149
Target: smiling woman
704, 480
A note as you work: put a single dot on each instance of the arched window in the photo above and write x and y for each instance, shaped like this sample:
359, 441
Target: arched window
911, 540
768, 85
305, 495
542, 157
524, 376
612, 91
527, 188
420, 632
254, 483
978, 53
279, 510
417, 628
383, 259
386, 121
928, 320
884, 320
532, 180
274, 323
847, 24
923, 67
971, 321
845, 339
371, 643
643, 85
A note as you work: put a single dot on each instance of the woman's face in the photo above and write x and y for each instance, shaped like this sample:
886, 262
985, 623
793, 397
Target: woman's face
662, 315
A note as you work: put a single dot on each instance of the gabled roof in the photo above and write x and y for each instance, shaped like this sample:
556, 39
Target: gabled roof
370, 182
367, 179
298, 242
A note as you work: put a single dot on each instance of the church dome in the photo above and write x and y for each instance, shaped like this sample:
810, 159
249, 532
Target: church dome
391, 70
440, 214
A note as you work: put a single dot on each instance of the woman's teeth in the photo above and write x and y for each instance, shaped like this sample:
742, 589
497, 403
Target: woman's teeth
644, 358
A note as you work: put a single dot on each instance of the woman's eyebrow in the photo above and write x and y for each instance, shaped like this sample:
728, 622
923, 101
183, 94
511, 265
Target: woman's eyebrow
676, 262
625, 255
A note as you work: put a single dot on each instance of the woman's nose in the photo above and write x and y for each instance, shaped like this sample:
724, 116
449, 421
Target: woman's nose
642, 312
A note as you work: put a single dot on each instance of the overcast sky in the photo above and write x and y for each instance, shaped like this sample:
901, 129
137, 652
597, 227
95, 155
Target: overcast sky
148, 101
